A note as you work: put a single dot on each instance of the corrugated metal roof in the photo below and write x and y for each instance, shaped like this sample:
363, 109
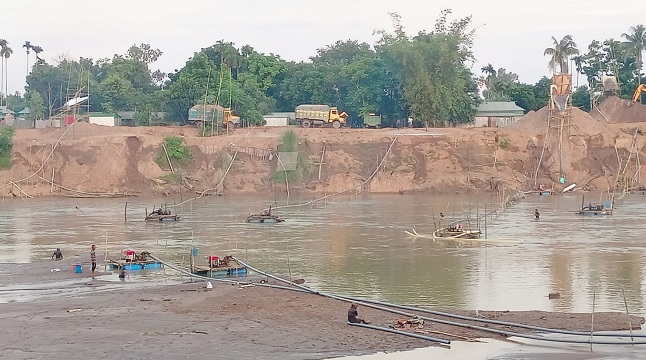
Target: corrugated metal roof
499, 108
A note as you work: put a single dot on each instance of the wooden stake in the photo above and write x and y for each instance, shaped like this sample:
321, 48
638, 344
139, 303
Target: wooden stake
125, 212
630, 325
594, 297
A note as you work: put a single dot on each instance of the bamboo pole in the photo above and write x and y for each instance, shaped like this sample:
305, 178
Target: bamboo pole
168, 158
630, 324
594, 297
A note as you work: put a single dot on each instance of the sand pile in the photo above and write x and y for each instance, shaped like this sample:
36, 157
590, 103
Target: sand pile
617, 110
535, 123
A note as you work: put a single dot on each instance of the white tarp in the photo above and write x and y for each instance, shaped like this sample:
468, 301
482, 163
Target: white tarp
102, 120
75, 101
287, 161
274, 121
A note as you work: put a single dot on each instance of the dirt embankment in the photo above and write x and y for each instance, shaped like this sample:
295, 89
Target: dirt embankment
93, 160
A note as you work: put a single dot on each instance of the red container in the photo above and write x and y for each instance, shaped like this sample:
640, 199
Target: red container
129, 252
69, 119
213, 258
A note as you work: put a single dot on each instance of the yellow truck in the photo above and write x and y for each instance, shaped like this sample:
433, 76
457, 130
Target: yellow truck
320, 115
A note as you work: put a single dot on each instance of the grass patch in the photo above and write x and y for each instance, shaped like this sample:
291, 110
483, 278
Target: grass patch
504, 143
172, 178
178, 152
6, 146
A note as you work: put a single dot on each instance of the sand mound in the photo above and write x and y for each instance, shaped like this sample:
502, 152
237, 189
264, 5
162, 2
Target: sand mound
535, 123
616, 110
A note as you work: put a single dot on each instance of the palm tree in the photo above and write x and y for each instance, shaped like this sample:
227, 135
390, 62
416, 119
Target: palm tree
636, 44
561, 53
5, 53
37, 50
28, 46
3, 45
491, 73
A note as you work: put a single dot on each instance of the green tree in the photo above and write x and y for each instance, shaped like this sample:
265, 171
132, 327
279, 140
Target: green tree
430, 67
36, 106
561, 52
581, 98
143, 53
28, 48
5, 54
636, 45
117, 93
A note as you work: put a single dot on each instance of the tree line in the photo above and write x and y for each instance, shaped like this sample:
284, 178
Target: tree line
427, 76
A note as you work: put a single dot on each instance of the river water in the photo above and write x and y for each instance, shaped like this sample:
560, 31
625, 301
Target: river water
357, 246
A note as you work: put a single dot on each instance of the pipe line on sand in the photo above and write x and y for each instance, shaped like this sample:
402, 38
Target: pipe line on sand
382, 306
505, 323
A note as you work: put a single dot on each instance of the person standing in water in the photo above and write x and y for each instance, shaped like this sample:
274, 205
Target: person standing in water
93, 258
537, 214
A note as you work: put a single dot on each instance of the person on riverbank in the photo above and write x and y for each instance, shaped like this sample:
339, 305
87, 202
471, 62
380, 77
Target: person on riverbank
353, 316
93, 257
57, 254
537, 215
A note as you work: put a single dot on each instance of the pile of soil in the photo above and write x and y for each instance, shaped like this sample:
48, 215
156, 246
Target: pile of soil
582, 124
617, 110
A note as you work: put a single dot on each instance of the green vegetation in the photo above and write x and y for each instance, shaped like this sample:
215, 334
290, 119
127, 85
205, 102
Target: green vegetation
426, 76
6, 146
177, 151
504, 143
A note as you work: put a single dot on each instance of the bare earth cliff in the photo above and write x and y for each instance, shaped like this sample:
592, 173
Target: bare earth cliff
93, 160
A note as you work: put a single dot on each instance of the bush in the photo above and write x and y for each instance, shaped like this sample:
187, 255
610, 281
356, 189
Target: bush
177, 151
504, 143
6, 146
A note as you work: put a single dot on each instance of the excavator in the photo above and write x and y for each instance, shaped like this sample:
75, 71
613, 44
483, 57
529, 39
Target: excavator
638, 92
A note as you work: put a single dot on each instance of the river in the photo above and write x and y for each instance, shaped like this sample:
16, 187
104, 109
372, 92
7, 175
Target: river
357, 246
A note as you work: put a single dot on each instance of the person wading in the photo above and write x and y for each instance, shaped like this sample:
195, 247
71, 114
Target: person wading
537, 214
93, 257
58, 254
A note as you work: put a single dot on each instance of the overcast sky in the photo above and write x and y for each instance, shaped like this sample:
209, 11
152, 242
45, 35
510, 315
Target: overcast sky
510, 33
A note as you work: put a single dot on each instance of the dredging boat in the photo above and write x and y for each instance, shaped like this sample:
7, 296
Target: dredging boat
264, 216
595, 208
220, 268
162, 214
456, 231
132, 261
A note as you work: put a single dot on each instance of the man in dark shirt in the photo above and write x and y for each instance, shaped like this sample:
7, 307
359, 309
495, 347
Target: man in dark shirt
58, 254
93, 257
353, 316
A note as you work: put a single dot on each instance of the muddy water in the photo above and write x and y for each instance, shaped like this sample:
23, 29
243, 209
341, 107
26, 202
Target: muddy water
357, 246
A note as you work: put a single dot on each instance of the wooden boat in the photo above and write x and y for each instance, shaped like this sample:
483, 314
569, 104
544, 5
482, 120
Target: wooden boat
220, 268
162, 214
131, 261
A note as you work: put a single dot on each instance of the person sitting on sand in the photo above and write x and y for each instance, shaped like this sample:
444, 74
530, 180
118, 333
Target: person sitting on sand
353, 316
58, 254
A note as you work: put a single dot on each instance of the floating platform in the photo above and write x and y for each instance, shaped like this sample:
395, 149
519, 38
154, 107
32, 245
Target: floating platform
221, 272
135, 265
259, 219
164, 217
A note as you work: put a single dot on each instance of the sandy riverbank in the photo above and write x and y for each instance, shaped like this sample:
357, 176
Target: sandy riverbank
227, 322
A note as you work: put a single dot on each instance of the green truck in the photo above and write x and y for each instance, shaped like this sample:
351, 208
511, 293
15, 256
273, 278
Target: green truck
372, 121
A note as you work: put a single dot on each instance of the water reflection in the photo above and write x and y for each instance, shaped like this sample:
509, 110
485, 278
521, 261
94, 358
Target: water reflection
356, 246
